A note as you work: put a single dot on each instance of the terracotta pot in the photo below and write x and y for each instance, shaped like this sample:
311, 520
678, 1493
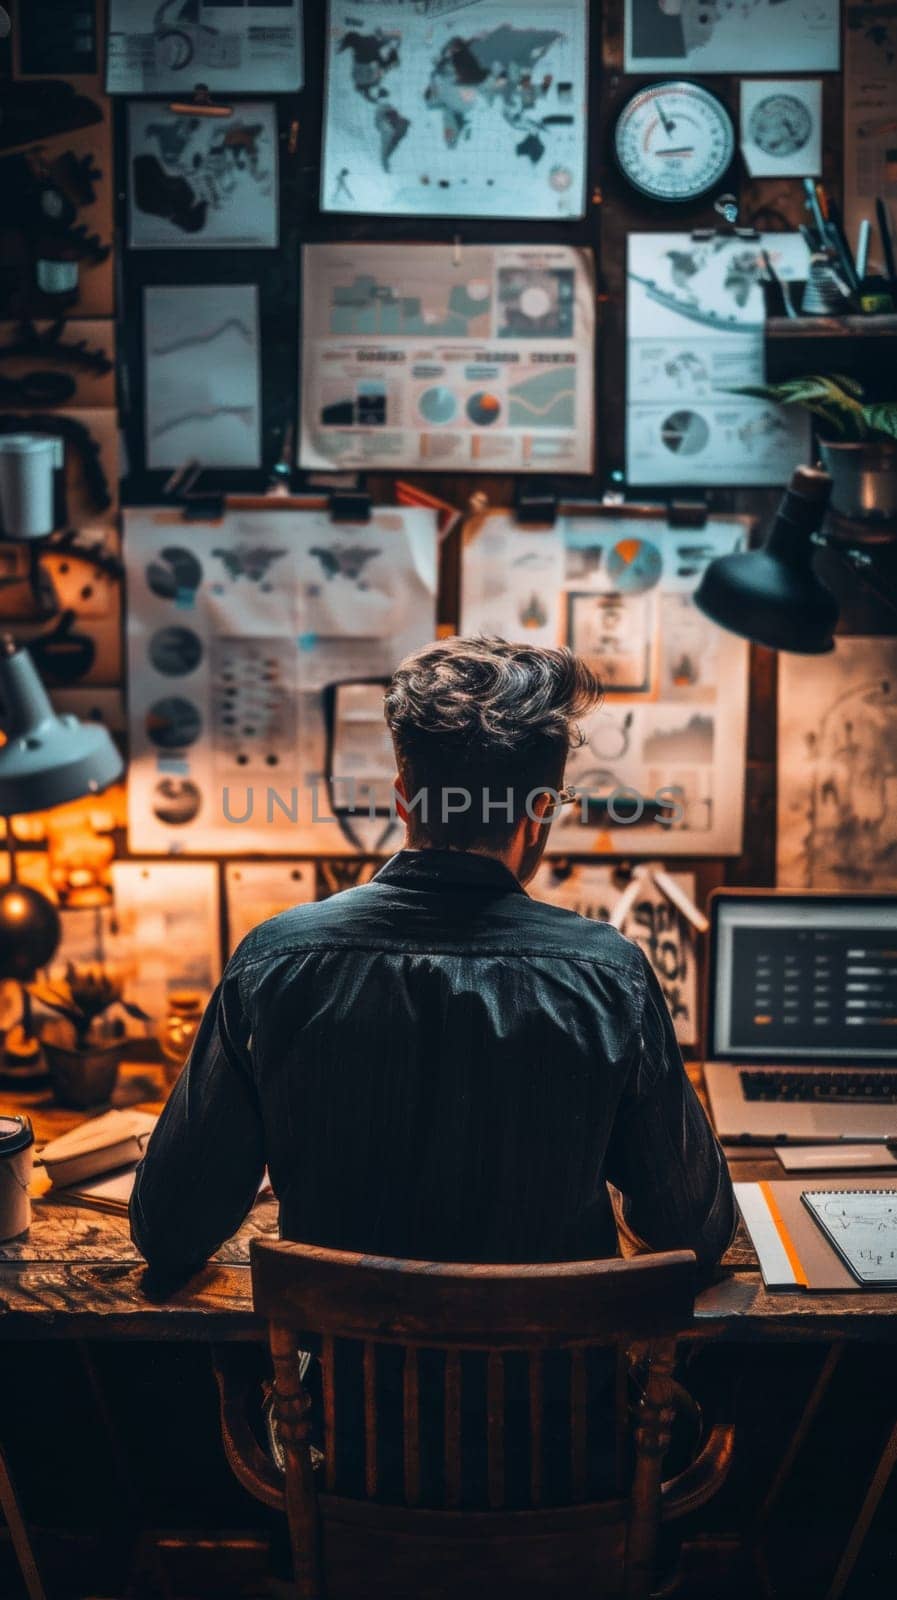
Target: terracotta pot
82, 1078
864, 479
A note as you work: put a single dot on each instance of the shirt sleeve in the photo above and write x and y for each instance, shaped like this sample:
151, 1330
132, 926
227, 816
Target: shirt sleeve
662, 1154
205, 1160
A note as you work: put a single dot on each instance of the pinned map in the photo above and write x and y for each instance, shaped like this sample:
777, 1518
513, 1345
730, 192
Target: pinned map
448, 110
476, 359
201, 182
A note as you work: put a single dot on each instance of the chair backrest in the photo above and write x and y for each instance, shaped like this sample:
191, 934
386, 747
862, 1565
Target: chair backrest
325, 1297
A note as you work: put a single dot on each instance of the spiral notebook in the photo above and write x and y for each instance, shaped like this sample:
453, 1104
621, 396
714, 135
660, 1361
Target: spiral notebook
822, 1237
861, 1224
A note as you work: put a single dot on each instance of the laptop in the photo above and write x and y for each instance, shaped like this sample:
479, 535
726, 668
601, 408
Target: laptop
801, 1019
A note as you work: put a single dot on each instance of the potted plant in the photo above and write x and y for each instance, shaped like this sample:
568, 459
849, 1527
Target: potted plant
82, 1049
857, 440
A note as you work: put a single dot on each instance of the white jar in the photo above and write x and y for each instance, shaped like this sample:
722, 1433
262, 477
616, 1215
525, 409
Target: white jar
16, 1162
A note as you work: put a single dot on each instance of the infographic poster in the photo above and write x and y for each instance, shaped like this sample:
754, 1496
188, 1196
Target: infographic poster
695, 315
475, 358
456, 111
241, 633
661, 767
244, 46
694, 36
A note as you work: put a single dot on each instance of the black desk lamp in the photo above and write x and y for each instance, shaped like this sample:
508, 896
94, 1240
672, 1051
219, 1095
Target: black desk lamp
46, 761
772, 595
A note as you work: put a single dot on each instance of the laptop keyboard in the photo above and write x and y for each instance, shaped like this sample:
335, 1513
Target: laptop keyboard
877, 1087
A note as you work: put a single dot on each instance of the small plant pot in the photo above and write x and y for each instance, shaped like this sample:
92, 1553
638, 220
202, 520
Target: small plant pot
82, 1078
864, 480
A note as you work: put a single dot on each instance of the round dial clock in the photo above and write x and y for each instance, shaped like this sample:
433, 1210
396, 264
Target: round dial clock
674, 141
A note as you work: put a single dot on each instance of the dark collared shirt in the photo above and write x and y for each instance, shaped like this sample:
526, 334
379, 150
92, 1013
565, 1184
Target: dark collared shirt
435, 1065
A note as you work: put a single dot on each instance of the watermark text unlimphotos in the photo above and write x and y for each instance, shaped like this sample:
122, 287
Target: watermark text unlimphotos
334, 798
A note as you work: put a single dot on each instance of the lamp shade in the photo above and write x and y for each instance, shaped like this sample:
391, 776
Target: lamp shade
772, 595
46, 760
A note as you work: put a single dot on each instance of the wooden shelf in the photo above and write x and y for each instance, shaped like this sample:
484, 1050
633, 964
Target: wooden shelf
861, 347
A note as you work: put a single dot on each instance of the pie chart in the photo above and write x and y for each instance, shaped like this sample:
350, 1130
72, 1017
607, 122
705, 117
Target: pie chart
685, 433
437, 404
484, 408
634, 565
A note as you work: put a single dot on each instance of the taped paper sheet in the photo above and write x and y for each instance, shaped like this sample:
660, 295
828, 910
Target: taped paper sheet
693, 36
870, 119
202, 182
172, 45
837, 767
669, 737
652, 921
695, 315
257, 890
781, 127
478, 358
456, 111
167, 930
239, 632
203, 383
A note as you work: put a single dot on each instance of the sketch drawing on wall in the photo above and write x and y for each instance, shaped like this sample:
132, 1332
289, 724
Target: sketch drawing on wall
837, 821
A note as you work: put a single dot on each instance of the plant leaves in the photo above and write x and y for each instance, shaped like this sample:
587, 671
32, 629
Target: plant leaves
881, 418
135, 1011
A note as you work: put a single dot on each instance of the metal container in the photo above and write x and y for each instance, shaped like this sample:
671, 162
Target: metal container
864, 479
16, 1162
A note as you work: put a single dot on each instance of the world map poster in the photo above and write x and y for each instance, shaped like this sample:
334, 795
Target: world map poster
475, 358
474, 109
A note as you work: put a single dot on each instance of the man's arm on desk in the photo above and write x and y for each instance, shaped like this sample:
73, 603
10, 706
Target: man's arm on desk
662, 1155
205, 1160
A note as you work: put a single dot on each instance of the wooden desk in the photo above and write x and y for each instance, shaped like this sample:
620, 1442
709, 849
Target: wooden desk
77, 1275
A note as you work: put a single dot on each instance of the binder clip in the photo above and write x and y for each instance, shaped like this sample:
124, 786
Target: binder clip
350, 505
532, 507
687, 514
195, 505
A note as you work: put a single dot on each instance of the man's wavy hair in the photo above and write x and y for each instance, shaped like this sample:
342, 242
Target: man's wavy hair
483, 717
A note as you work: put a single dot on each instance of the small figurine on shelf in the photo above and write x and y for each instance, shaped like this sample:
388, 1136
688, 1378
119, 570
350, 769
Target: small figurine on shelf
83, 1049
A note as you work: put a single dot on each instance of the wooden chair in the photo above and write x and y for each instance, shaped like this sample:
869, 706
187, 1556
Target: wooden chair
362, 1547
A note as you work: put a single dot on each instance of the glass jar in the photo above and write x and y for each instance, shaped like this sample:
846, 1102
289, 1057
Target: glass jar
176, 1035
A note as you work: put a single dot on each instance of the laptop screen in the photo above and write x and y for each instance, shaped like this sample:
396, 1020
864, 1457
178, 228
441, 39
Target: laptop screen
804, 978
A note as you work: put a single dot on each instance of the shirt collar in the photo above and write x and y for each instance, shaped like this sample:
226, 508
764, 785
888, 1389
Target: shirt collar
456, 869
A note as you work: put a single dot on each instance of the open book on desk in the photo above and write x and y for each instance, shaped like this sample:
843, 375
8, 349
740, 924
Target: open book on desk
112, 1192
822, 1235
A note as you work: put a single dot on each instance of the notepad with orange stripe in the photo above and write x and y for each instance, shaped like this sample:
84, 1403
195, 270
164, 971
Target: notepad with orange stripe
793, 1251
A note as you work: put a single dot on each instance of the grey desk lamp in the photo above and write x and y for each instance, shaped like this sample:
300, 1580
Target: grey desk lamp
46, 761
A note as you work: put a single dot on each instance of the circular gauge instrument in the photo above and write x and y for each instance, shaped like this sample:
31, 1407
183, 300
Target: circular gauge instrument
674, 141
